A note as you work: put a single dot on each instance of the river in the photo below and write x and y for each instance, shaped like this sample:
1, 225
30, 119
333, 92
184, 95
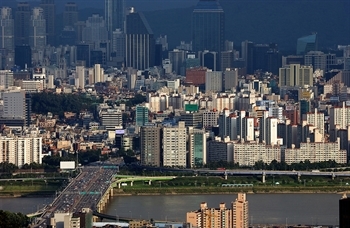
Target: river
312, 209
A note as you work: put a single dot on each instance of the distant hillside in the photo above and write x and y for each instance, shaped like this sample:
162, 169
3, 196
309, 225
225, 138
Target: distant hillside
264, 21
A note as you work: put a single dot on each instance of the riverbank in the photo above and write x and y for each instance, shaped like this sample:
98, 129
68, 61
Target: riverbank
221, 190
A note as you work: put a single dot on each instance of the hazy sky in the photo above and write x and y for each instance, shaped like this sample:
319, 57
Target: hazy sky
140, 5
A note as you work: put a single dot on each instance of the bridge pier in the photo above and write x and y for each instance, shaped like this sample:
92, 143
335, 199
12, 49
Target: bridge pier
263, 177
149, 182
131, 183
299, 175
225, 175
333, 176
111, 192
119, 185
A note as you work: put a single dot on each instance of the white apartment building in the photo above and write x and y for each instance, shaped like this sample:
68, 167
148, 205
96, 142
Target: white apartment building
339, 117
248, 153
111, 118
316, 152
174, 145
317, 120
20, 151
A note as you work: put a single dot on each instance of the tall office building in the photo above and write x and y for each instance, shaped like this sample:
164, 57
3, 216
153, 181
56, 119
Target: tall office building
213, 81
95, 31
151, 145
197, 148
37, 29
231, 78
23, 56
177, 58
14, 104
70, 14
140, 43
306, 44
296, 75
208, 26
7, 38
240, 211
22, 21
316, 59
49, 10
141, 115
344, 215
114, 15
6, 78
174, 145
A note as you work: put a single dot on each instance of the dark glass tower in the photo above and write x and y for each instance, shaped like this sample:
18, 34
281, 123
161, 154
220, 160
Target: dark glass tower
23, 56
208, 26
140, 43
49, 15
22, 21
344, 215
114, 15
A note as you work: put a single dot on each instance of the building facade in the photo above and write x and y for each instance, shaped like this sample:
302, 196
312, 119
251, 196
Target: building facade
7, 36
151, 145
174, 145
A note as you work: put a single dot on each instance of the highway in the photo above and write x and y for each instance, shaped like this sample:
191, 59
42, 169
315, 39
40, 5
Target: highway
84, 191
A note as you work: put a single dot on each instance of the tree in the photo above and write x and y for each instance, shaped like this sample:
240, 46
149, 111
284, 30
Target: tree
13, 220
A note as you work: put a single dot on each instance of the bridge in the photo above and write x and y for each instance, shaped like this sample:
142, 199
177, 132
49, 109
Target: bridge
127, 178
265, 173
90, 189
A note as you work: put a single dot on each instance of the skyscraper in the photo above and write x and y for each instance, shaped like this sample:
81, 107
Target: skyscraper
306, 44
23, 56
49, 15
151, 145
240, 211
22, 20
95, 30
174, 145
70, 14
208, 26
114, 15
140, 41
6, 29
37, 29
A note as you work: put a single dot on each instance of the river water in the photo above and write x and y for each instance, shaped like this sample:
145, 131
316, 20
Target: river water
312, 209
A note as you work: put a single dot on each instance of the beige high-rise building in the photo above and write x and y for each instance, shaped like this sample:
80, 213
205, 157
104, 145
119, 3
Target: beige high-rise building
240, 211
210, 217
296, 75
174, 145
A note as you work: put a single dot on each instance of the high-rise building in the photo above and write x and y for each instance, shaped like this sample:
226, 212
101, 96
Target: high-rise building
248, 55
231, 78
227, 59
151, 145
177, 58
316, 59
111, 119
49, 11
210, 217
37, 29
118, 44
316, 119
213, 81
14, 104
174, 145
83, 54
141, 115
240, 212
80, 76
6, 78
306, 44
344, 208
197, 148
208, 26
23, 56
140, 43
296, 75
7, 38
114, 14
22, 22
70, 14
95, 30
21, 150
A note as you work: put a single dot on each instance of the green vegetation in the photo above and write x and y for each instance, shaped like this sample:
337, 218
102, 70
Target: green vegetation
59, 103
137, 99
13, 220
30, 187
